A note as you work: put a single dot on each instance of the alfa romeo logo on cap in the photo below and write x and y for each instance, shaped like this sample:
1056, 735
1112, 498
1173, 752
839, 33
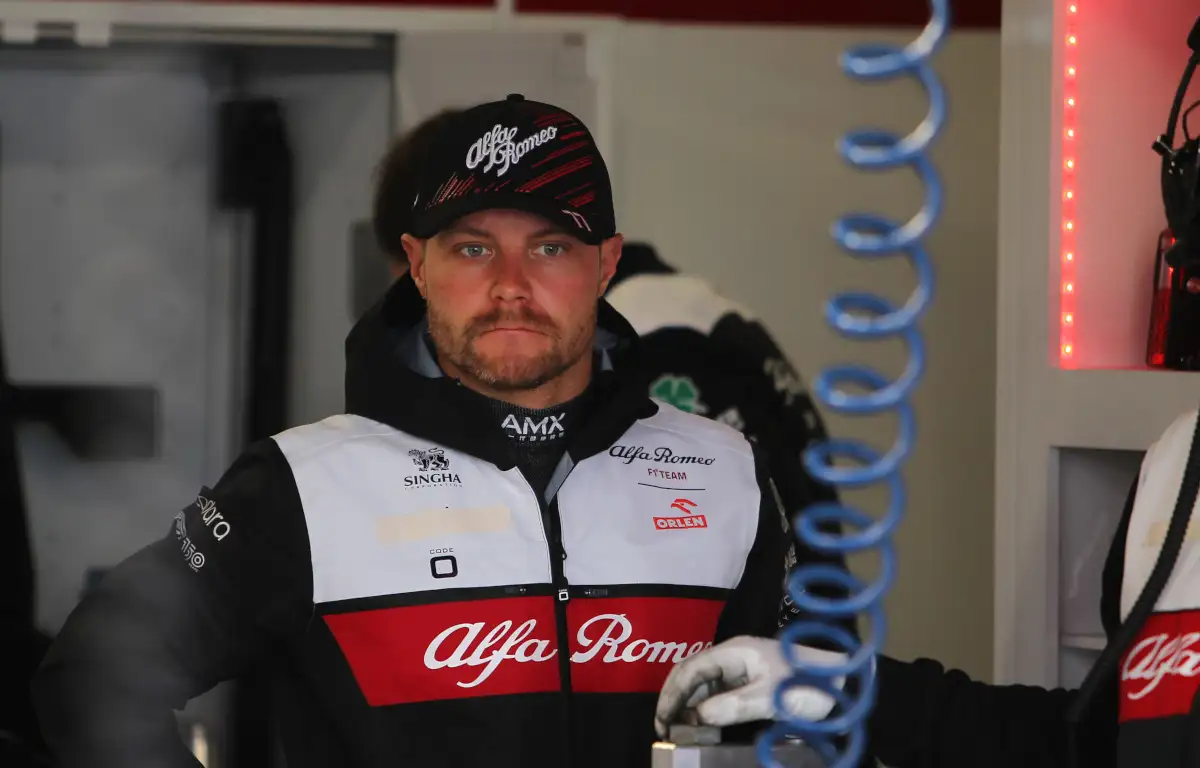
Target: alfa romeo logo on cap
501, 152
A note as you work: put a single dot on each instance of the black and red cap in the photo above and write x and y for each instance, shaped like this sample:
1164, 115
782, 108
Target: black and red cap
518, 154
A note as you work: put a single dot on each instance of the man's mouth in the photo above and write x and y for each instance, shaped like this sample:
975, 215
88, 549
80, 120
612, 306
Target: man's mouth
514, 329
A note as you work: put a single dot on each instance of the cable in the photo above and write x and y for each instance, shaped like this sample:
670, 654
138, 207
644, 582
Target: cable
1187, 135
863, 316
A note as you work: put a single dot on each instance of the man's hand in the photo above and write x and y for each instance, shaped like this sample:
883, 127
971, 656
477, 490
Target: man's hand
735, 682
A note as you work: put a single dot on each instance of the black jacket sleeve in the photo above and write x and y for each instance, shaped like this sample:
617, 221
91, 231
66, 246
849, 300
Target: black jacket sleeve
753, 608
928, 717
231, 581
760, 605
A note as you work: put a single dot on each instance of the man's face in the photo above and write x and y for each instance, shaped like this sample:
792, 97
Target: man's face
511, 297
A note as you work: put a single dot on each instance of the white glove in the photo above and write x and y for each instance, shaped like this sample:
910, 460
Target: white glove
735, 682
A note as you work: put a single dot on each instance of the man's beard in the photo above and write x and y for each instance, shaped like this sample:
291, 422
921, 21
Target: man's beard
508, 374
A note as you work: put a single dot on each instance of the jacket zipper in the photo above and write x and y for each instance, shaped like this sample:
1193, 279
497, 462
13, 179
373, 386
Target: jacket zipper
552, 527
562, 596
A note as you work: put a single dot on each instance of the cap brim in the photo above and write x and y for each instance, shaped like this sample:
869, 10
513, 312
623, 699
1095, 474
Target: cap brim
438, 218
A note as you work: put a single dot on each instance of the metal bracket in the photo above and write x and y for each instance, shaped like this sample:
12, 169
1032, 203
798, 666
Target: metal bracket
700, 747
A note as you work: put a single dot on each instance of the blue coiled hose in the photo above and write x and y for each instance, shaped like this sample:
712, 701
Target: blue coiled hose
864, 316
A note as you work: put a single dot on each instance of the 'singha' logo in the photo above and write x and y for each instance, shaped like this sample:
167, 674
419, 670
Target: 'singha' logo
501, 152
433, 469
432, 460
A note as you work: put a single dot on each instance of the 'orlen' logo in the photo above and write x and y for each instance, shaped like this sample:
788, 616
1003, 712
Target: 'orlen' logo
433, 470
687, 520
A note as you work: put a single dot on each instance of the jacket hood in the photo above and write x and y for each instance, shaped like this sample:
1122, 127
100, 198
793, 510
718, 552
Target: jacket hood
392, 377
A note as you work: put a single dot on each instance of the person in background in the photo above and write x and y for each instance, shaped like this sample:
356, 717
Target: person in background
707, 355
396, 184
1138, 707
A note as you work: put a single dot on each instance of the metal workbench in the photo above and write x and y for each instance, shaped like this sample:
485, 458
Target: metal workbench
700, 747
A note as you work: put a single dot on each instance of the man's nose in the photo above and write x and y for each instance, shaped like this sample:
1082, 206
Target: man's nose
510, 276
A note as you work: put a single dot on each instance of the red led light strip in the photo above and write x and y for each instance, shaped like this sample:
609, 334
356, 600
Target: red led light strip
1070, 123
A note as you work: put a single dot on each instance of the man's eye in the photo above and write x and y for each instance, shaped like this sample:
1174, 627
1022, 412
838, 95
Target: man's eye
473, 251
550, 249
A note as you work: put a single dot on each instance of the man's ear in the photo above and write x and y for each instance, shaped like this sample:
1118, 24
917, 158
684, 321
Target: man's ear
415, 250
610, 255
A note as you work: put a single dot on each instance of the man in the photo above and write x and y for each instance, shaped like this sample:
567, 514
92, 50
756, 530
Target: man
1137, 709
701, 352
494, 557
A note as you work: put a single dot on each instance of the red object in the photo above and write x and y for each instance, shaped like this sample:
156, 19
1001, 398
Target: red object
1160, 307
628, 645
450, 650
680, 523
688, 520
509, 646
1160, 673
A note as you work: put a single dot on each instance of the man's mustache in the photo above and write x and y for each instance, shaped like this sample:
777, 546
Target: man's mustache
524, 317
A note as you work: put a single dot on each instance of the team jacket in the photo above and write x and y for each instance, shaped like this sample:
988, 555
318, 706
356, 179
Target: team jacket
1146, 715
416, 603
707, 355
